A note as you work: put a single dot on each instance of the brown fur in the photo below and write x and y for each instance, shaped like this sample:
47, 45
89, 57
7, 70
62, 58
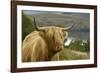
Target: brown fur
43, 45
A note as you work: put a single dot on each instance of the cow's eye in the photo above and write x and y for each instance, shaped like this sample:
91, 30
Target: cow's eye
44, 31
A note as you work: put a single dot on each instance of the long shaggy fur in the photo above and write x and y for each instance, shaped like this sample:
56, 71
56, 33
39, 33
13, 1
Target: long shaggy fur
43, 45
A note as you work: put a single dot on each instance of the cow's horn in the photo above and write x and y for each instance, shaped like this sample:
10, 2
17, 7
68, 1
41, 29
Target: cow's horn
36, 27
68, 28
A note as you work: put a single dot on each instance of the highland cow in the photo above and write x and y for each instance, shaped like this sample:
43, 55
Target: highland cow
44, 44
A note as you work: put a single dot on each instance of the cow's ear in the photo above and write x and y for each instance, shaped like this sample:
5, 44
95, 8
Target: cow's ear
64, 33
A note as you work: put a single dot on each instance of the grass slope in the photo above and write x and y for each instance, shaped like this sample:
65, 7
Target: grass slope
68, 54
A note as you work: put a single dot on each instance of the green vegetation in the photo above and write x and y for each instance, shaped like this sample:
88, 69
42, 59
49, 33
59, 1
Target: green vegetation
80, 45
77, 50
27, 25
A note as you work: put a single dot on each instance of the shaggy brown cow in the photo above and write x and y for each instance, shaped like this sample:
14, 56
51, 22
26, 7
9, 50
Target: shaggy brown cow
44, 44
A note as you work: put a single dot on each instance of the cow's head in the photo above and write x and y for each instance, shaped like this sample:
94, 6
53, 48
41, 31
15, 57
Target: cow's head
54, 36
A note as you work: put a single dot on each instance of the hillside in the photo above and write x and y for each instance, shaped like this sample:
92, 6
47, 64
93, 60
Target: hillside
63, 19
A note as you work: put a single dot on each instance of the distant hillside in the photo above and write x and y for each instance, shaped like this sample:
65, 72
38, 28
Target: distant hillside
63, 19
